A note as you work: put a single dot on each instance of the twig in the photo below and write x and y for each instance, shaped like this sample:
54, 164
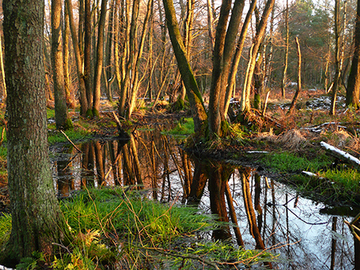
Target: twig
63, 133
188, 256
62, 246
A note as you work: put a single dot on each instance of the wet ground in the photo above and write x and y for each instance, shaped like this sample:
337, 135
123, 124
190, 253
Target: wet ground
306, 234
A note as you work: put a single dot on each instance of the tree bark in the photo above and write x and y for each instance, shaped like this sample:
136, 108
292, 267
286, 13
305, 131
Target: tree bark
353, 88
260, 31
337, 58
82, 87
61, 117
193, 93
36, 218
237, 56
298, 90
87, 57
99, 60
286, 55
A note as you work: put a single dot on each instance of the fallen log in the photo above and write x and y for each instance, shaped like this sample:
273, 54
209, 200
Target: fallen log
341, 155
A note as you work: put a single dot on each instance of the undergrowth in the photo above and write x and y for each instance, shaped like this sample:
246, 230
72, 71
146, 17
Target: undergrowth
113, 228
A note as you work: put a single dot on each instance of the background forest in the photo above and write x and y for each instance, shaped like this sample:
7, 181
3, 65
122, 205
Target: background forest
133, 57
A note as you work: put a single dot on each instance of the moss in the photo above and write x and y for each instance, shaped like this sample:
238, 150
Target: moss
68, 124
89, 114
95, 113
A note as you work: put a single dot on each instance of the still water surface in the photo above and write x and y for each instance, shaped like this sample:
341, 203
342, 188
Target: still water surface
269, 214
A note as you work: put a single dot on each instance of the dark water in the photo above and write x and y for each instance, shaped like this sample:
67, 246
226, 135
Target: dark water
269, 214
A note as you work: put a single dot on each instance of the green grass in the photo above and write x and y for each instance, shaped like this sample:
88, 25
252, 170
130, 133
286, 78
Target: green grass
184, 127
5, 228
288, 162
74, 135
50, 113
348, 179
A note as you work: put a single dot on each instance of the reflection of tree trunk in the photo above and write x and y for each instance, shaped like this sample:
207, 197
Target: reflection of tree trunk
257, 199
65, 180
187, 172
154, 172
245, 177
233, 215
333, 244
198, 183
136, 162
99, 163
87, 165
218, 176
128, 176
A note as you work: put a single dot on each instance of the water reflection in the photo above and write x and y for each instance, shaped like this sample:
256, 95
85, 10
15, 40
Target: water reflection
265, 213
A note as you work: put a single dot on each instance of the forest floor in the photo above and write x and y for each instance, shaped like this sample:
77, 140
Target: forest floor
277, 144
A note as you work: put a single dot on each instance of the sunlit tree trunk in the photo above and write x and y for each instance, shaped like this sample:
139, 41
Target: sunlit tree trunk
337, 58
87, 57
67, 84
2, 70
260, 31
108, 52
193, 93
353, 87
225, 37
286, 55
129, 69
99, 60
237, 56
298, 90
82, 87
61, 116
135, 82
37, 222
210, 24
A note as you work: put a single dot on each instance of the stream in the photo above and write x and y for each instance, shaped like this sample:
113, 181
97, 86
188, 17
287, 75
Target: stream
269, 214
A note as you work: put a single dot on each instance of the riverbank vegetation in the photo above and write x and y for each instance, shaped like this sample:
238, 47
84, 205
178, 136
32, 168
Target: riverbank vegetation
119, 228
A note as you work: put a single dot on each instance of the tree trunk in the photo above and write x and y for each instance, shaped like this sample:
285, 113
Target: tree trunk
260, 31
81, 77
337, 58
293, 103
2, 70
129, 70
133, 97
237, 56
61, 117
353, 88
36, 218
108, 52
286, 56
67, 84
87, 57
99, 60
223, 51
193, 93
